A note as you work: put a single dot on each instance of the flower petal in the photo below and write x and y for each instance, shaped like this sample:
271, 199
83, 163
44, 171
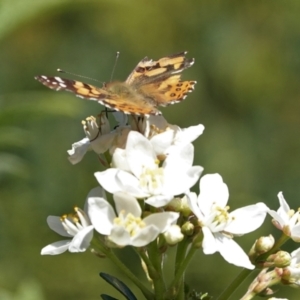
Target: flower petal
212, 191
114, 180
120, 236
208, 244
232, 252
295, 233
276, 216
107, 179
101, 214
192, 202
56, 248
82, 239
181, 159
161, 142
130, 184
103, 142
284, 207
161, 220
247, 219
188, 135
119, 160
127, 203
78, 150
55, 224
145, 236
159, 200
139, 153
179, 183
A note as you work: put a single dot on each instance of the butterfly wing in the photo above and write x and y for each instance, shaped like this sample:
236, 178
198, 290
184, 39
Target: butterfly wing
82, 90
151, 83
106, 96
169, 91
160, 80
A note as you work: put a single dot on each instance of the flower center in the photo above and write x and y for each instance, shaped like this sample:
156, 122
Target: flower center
74, 222
131, 223
152, 179
220, 217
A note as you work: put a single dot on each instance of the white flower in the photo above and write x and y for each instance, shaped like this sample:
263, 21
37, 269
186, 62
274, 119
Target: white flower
138, 173
77, 228
164, 137
126, 227
218, 225
168, 140
99, 137
286, 219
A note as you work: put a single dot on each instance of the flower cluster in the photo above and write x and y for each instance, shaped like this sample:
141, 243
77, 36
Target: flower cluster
149, 174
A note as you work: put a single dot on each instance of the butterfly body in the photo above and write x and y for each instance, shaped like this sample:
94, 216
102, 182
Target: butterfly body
150, 84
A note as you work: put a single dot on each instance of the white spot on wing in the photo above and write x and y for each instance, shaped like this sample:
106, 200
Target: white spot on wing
59, 79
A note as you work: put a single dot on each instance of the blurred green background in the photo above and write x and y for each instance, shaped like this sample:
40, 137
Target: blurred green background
248, 70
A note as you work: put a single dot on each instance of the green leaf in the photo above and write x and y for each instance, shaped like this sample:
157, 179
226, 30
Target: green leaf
118, 285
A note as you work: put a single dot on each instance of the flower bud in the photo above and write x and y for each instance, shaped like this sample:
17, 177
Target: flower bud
264, 244
280, 259
188, 228
180, 205
261, 245
173, 235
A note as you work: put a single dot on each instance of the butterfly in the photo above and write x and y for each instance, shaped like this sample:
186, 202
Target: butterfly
150, 84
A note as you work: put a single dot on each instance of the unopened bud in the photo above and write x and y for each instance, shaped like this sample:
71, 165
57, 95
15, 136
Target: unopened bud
180, 205
264, 244
173, 235
261, 245
188, 228
281, 259
266, 279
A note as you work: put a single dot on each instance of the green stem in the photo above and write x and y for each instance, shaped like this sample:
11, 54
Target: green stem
111, 255
283, 239
180, 256
180, 253
143, 255
234, 284
175, 285
156, 275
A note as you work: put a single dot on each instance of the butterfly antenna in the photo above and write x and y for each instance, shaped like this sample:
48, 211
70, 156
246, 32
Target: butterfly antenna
113, 70
81, 76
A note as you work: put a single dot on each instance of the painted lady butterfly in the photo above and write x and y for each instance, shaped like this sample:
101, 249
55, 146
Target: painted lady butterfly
150, 84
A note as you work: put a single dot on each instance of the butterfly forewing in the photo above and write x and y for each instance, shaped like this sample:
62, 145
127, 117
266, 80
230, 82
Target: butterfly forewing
150, 84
